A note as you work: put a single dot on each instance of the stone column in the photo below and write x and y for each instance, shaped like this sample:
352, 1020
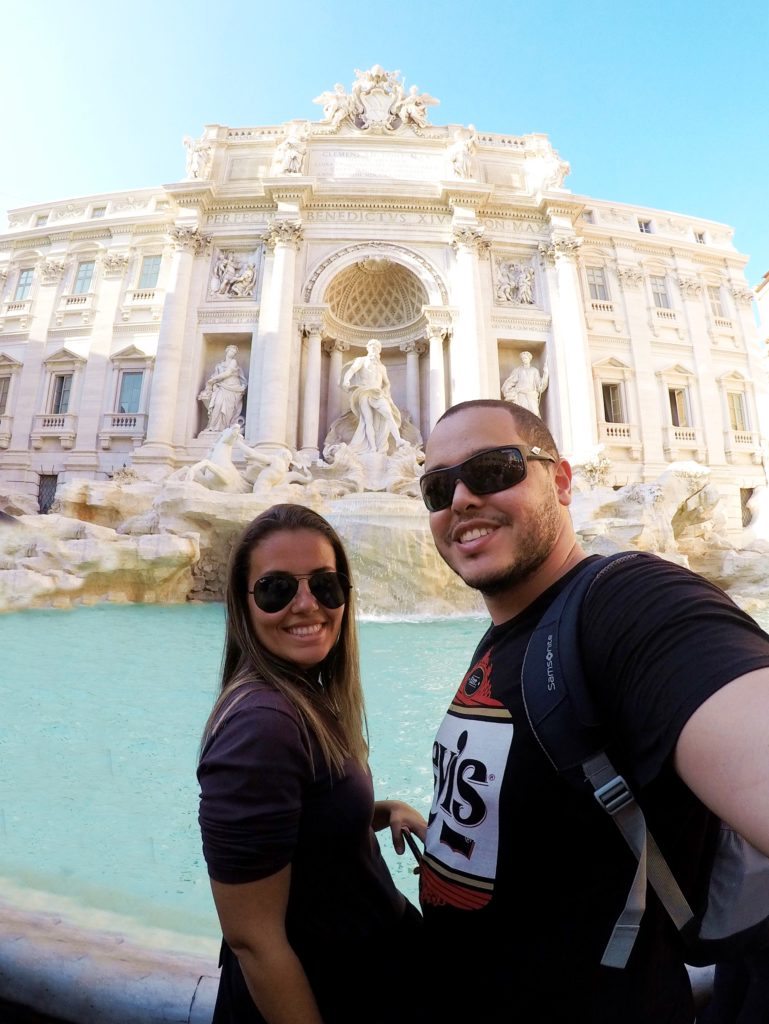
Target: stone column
335, 349
274, 336
572, 370
188, 242
436, 336
468, 356
311, 403
413, 350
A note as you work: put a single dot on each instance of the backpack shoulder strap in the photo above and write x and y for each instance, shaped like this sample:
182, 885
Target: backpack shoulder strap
567, 725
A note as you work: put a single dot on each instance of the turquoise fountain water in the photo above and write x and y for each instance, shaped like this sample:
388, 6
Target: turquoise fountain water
102, 713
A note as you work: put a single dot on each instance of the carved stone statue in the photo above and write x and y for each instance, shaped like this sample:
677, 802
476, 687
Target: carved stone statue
461, 151
216, 471
413, 108
290, 154
525, 385
198, 157
336, 105
379, 419
223, 393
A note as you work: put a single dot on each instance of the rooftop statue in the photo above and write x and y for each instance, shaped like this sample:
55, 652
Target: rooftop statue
198, 157
377, 102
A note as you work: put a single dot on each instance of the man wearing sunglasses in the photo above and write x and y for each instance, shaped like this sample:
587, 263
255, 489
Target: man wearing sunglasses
523, 878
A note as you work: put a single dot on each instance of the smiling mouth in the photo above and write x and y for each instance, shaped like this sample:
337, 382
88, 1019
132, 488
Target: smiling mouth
305, 630
474, 534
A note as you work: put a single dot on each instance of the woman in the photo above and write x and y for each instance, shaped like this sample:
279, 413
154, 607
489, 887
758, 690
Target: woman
315, 931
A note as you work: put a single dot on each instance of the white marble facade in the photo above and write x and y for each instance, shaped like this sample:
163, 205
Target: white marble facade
289, 248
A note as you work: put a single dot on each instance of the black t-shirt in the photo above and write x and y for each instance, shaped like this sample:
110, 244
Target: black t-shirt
524, 877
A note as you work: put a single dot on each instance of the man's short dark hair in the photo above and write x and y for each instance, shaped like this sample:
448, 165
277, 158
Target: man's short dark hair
531, 428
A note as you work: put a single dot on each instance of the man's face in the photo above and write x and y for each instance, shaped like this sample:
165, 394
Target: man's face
495, 541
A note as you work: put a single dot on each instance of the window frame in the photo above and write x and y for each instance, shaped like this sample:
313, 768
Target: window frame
594, 286
143, 285
24, 287
61, 392
659, 288
82, 284
123, 375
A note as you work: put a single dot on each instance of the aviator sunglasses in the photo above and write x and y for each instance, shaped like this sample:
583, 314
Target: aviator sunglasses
273, 592
484, 473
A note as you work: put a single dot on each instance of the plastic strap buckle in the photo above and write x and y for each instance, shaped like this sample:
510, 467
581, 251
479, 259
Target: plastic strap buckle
613, 795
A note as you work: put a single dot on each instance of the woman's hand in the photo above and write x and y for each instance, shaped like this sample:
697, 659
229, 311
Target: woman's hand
399, 816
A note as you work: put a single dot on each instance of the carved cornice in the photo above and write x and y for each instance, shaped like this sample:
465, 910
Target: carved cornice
522, 323
228, 316
189, 239
285, 232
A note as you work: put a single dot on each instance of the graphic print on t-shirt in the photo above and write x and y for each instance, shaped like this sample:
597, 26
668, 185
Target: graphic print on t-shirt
469, 757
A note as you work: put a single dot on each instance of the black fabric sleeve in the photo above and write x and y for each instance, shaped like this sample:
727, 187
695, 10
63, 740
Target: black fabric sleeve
252, 776
657, 641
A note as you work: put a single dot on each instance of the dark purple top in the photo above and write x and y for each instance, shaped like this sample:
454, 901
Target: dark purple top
267, 799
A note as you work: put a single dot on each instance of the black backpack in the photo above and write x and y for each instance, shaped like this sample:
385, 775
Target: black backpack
564, 718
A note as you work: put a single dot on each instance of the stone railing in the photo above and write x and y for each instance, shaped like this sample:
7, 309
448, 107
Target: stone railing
61, 425
132, 425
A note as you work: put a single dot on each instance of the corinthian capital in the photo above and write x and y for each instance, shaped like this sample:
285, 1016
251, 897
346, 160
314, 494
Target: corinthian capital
330, 345
189, 239
690, 286
51, 271
468, 237
742, 295
559, 249
413, 346
285, 232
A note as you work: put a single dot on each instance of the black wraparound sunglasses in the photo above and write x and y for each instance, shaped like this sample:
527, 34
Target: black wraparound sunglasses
273, 592
493, 470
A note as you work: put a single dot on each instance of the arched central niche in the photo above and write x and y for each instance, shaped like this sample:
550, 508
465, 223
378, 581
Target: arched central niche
376, 297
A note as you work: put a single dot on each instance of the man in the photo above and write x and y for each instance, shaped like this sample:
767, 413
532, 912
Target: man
523, 878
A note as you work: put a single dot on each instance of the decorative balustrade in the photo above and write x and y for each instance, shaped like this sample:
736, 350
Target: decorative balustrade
132, 425
59, 425
602, 307
666, 314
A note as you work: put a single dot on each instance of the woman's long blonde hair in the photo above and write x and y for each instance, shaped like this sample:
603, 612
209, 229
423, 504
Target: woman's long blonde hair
334, 712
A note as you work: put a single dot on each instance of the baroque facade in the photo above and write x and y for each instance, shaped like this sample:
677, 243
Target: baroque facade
286, 249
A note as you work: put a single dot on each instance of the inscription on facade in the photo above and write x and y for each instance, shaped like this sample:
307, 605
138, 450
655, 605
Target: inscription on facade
353, 163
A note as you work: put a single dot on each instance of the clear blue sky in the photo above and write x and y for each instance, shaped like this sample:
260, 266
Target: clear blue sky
658, 104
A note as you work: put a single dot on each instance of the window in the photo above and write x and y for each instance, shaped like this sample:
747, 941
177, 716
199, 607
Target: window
41, 219
612, 403
84, 277
98, 211
130, 391
679, 407
148, 278
46, 494
699, 237
5, 387
738, 419
596, 282
62, 387
716, 306
24, 284
645, 226
660, 292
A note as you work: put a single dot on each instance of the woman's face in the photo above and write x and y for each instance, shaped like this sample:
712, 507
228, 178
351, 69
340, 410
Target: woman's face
304, 631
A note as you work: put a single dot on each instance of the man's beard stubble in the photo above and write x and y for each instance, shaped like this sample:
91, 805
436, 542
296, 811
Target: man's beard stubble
533, 548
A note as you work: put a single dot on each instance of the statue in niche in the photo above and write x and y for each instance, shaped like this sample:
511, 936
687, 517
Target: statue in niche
461, 151
290, 154
223, 393
412, 109
198, 157
379, 419
233, 276
526, 385
515, 283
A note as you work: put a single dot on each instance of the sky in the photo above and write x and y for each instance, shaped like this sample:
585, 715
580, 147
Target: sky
659, 104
